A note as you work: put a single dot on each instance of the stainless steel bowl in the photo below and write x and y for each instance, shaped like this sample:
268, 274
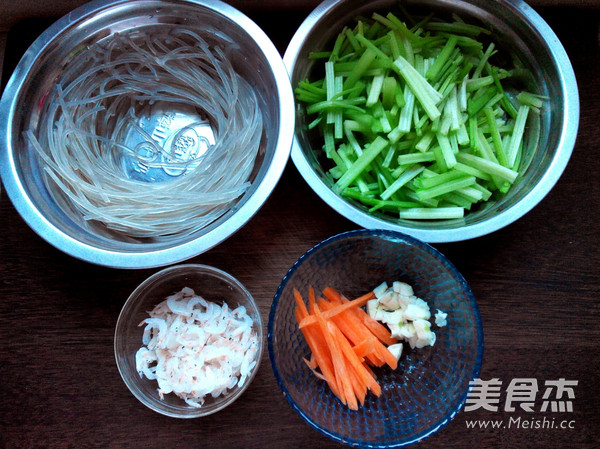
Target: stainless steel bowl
518, 29
253, 56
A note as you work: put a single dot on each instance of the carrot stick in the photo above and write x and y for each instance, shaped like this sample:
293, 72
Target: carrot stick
356, 363
352, 316
355, 331
317, 345
311, 299
364, 348
360, 389
338, 361
358, 302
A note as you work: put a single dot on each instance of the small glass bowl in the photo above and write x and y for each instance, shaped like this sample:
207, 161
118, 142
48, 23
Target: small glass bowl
429, 386
210, 283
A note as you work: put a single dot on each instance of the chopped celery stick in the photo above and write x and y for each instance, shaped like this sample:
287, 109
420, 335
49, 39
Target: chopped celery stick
441, 59
314, 123
369, 154
388, 92
432, 179
389, 156
392, 205
466, 169
487, 166
477, 104
531, 100
439, 213
439, 159
401, 27
447, 152
415, 158
425, 141
462, 135
371, 46
517, 135
475, 84
406, 114
395, 134
457, 199
446, 187
352, 40
428, 97
359, 68
402, 179
337, 47
470, 193
411, 195
483, 60
457, 27
395, 45
486, 194
375, 90
496, 138
335, 104
338, 131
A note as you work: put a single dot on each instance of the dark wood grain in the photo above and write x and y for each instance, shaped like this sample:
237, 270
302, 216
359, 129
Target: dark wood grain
536, 282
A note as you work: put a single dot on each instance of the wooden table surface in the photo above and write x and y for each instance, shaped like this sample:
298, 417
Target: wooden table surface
536, 282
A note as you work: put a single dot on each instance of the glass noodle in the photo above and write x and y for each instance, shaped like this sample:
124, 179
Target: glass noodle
82, 135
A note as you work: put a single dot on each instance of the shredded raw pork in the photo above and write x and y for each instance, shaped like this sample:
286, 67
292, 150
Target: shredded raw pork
194, 347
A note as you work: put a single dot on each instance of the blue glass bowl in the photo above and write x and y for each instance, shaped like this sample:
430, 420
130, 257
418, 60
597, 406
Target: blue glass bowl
429, 386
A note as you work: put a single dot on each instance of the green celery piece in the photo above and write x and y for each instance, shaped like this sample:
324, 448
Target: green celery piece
457, 27
360, 67
352, 140
415, 158
401, 180
438, 213
470, 193
388, 92
425, 141
389, 156
402, 28
428, 97
337, 46
395, 45
369, 154
314, 123
531, 100
477, 104
487, 166
468, 170
457, 199
392, 206
435, 69
517, 135
483, 61
496, 138
335, 105
384, 21
319, 55
506, 103
447, 153
406, 114
431, 180
486, 194
446, 187
352, 40
375, 90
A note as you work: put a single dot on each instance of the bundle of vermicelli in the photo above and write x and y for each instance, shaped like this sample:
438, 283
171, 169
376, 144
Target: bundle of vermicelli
81, 137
